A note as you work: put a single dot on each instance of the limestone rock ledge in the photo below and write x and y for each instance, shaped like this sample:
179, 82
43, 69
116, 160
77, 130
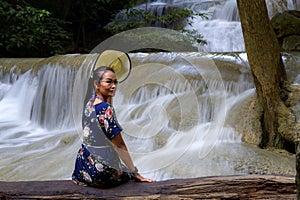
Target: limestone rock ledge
225, 187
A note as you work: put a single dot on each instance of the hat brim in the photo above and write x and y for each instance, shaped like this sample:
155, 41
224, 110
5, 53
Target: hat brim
119, 61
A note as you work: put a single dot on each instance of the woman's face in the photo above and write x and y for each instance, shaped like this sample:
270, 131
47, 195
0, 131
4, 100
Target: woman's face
107, 85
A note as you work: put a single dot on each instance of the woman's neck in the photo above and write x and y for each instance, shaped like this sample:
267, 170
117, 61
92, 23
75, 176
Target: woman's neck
106, 99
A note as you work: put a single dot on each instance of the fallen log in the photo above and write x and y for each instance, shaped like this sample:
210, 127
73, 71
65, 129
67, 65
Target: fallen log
225, 187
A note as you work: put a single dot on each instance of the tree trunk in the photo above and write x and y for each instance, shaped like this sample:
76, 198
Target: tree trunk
298, 166
264, 56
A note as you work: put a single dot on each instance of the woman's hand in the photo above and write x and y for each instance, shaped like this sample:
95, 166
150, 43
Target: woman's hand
121, 149
140, 178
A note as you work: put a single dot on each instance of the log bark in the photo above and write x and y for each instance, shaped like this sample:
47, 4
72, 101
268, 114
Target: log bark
226, 187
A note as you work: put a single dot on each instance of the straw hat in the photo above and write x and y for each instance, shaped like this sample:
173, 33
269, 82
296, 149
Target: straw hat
117, 60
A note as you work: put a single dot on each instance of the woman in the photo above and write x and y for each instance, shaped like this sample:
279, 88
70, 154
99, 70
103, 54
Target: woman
98, 160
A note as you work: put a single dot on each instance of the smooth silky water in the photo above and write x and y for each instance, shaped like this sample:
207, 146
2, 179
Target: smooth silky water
178, 110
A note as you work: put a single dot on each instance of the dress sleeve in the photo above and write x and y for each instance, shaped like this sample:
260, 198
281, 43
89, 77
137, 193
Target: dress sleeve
107, 120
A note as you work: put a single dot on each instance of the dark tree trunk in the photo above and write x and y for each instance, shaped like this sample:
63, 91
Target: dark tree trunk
264, 56
298, 166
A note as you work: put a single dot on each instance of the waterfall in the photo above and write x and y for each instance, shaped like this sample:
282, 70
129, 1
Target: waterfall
36, 125
222, 30
183, 114
175, 108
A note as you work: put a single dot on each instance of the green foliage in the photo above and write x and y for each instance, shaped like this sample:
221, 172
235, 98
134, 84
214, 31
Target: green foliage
27, 31
30, 28
175, 19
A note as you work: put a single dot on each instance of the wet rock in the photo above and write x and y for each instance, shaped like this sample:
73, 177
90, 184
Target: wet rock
291, 43
246, 122
287, 29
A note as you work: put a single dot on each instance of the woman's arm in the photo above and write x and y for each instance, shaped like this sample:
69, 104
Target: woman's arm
122, 151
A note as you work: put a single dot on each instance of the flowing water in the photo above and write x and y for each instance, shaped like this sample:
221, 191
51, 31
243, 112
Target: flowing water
222, 28
179, 111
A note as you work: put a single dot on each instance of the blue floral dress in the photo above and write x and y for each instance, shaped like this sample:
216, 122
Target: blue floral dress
97, 164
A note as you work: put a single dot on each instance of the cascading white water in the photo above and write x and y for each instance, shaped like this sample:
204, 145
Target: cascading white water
36, 122
222, 30
178, 112
175, 109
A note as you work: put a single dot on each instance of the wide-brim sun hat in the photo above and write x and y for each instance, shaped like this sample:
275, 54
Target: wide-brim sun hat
117, 60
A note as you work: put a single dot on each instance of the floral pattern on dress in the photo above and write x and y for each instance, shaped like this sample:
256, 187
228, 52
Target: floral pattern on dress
93, 172
89, 109
92, 169
99, 167
105, 117
86, 176
107, 120
86, 131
